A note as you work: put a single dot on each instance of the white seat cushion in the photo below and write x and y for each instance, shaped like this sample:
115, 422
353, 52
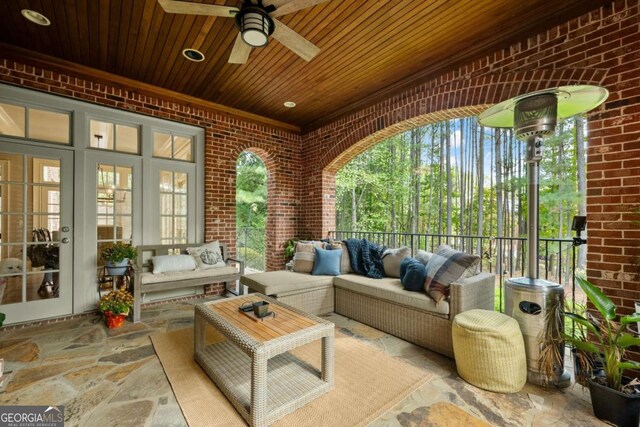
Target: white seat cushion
146, 278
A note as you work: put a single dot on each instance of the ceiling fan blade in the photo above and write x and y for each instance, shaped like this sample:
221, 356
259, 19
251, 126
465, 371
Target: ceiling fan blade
294, 41
187, 8
240, 52
289, 6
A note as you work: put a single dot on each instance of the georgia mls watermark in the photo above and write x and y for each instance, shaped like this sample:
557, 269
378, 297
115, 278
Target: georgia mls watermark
32, 416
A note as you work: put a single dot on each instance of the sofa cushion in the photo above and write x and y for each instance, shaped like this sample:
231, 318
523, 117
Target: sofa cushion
390, 289
391, 259
148, 277
412, 274
167, 263
327, 262
446, 266
279, 282
305, 255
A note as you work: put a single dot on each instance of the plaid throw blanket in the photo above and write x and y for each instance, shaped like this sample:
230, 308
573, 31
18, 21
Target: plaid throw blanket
366, 258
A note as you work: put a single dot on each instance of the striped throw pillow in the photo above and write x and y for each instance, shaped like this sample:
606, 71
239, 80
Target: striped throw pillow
305, 255
445, 266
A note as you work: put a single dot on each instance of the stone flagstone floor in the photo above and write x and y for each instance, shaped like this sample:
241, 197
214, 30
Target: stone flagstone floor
113, 378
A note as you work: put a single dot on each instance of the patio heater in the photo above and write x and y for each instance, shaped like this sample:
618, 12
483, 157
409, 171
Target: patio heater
536, 303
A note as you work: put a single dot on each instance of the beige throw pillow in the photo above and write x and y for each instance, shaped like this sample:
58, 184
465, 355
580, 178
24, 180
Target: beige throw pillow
207, 256
305, 255
345, 260
391, 259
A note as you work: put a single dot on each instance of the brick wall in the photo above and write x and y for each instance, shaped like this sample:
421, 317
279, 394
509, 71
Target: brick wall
603, 48
225, 139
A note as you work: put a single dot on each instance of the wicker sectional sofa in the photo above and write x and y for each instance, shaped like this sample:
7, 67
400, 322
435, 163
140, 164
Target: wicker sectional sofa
380, 303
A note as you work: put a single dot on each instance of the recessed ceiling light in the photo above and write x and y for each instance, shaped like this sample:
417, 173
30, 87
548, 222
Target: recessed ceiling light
289, 104
193, 55
36, 17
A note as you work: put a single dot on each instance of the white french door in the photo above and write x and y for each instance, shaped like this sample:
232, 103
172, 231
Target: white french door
36, 219
112, 207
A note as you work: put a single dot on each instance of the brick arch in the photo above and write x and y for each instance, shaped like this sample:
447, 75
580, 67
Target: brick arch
458, 98
270, 161
451, 96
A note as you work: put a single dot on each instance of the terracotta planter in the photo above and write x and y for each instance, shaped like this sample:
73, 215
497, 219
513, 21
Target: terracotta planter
114, 320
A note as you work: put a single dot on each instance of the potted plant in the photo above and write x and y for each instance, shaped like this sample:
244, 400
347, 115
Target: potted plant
604, 341
115, 307
116, 257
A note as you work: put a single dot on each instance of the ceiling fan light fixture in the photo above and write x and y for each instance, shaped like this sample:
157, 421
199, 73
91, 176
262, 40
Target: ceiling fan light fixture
255, 25
193, 55
36, 17
289, 104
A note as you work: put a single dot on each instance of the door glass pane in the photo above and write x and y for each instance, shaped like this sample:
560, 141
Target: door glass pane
12, 228
166, 181
124, 176
180, 228
123, 202
12, 119
49, 125
11, 198
181, 182
166, 227
101, 135
180, 204
162, 145
123, 227
166, 204
182, 148
12, 167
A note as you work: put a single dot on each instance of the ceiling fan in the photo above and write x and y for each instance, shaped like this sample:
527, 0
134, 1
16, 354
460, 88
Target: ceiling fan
256, 22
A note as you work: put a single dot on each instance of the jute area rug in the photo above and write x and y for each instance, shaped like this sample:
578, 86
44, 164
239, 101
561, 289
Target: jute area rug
368, 382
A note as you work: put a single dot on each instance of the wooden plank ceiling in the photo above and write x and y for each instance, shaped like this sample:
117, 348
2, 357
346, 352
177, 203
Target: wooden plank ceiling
369, 49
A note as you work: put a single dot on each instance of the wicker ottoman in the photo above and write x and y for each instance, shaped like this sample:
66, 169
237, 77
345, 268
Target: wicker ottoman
489, 350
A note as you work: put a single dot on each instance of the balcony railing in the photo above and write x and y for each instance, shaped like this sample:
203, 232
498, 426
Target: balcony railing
251, 247
503, 256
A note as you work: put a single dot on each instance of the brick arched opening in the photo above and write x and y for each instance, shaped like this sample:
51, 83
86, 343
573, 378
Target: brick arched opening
273, 223
329, 150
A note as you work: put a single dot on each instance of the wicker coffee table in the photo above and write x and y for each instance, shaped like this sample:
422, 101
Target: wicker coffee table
238, 365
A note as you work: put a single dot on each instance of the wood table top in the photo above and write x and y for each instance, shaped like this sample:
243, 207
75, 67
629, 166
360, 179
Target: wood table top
285, 322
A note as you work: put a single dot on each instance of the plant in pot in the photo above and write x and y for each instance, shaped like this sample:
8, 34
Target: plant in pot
604, 341
115, 307
116, 257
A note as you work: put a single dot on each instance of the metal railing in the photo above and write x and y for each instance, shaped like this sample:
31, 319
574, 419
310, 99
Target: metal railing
251, 247
503, 256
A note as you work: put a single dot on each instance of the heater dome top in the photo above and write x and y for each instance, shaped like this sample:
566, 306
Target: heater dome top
572, 100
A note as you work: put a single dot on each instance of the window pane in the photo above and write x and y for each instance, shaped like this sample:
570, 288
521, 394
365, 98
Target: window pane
127, 139
180, 204
105, 178
182, 148
166, 227
101, 134
11, 120
123, 177
123, 227
181, 182
166, 207
166, 181
123, 202
180, 231
162, 145
49, 126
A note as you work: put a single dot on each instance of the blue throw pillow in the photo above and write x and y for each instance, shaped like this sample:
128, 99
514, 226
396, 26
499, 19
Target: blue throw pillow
412, 274
327, 262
